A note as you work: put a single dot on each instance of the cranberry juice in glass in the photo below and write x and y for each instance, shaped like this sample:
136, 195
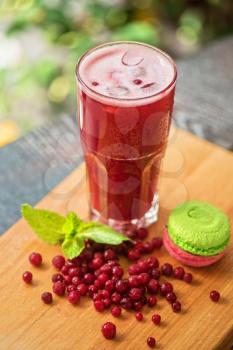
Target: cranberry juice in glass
125, 101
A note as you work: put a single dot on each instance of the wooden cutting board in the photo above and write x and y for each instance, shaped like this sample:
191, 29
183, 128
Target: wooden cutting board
192, 169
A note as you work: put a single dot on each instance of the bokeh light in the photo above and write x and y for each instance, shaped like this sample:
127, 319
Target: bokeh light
41, 41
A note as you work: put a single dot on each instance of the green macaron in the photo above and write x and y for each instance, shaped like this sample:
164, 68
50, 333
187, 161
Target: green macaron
199, 228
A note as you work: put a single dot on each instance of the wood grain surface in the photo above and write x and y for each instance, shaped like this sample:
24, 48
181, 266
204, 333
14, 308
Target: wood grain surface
192, 169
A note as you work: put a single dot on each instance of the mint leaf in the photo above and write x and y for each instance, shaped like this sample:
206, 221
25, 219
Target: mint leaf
71, 225
100, 233
47, 224
73, 247
54, 228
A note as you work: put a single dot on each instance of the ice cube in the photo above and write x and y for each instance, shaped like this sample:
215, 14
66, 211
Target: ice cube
139, 72
130, 58
116, 75
117, 91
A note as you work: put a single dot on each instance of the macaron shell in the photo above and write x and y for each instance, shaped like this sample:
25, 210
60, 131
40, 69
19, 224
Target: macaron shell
199, 228
187, 258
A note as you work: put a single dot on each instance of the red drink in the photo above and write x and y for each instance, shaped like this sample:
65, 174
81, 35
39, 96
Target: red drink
126, 93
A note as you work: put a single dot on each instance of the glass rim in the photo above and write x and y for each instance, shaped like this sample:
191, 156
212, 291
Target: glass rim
112, 98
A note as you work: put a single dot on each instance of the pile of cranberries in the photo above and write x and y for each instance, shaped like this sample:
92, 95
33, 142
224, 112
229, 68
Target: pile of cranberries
98, 274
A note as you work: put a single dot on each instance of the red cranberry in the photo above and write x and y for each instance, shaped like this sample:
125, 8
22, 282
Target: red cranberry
166, 288
155, 273
116, 311
139, 316
97, 263
137, 81
94, 83
171, 297
153, 286
92, 289
47, 297
70, 288
69, 263
59, 288
117, 271
143, 278
214, 296
167, 269
153, 262
122, 286
148, 247
156, 319
74, 271
134, 269
104, 294
57, 277
134, 281
77, 261
151, 342
110, 285
151, 301
137, 305
87, 255
74, 297
35, 259
103, 278
176, 306
82, 289
109, 330
27, 277
67, 280
98, 284
98, 255
179, 272
107, 302
142, 233
188, 277
84, 269
106, 268
157, 242
109, 254
99, 305
113, 263
65, 270
135, 294
116, 298
76, 280
126, 303
96, 296
58, 262
88, 278
133, 254
143, 265
140, 247
131, 234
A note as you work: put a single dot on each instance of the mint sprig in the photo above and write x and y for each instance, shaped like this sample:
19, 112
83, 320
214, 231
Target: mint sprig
46, 224
71, 231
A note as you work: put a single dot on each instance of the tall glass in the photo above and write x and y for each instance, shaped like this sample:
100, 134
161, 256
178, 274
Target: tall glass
125, 101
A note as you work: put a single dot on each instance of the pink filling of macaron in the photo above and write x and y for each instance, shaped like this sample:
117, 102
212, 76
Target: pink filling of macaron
185, 257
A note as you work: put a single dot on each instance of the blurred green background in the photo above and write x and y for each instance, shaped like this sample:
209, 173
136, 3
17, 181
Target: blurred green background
41, 40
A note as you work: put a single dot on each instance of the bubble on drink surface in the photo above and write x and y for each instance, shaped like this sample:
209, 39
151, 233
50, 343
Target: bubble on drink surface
131, 58
117, 91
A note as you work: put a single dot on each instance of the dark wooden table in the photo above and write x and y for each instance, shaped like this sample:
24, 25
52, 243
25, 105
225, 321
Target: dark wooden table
34, 164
